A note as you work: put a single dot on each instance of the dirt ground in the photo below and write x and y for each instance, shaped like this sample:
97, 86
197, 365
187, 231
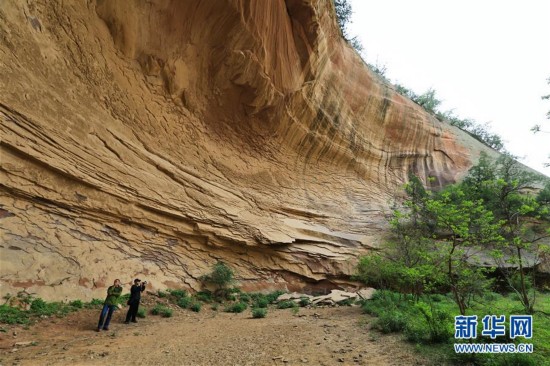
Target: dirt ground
316, 336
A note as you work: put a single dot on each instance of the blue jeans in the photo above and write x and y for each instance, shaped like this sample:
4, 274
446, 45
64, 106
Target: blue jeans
107, 310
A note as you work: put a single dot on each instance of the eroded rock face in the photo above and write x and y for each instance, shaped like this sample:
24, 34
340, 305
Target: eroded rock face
153, 138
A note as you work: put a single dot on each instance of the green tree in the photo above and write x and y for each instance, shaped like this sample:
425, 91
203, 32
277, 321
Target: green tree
504, 188
537, 128
463, 227
221, 276
428, 100
343, 16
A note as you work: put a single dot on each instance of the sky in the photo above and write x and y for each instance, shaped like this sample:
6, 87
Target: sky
488, 60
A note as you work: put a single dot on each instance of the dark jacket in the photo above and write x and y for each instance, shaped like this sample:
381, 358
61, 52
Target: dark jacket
135, 293
113, 292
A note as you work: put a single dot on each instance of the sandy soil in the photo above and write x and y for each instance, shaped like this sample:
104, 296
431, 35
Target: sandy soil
320, 336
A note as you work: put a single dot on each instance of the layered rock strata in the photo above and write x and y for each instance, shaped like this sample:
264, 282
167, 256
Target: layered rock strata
154, 138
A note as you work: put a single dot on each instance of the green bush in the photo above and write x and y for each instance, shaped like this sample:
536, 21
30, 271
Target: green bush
215, 306
195, 306
184, 302
261, 302
162, 310
204, 296
244, 297
391, 321
304, 301
178, 293
141, 313
77, 304
38, 306
438, 322
122, 300
95, 302
221, 276
259, 312
237, 307
286, 304
272, 296
416, 331
162, 294
11, 315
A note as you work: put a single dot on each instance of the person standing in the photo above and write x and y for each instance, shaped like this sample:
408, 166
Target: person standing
113, 292
135, 297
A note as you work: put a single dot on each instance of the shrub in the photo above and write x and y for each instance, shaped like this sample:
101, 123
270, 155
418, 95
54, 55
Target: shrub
162, 310
166, 313
286, 304
195, 306
272, 296
162, 294
95, 302
11, 315
259, 313
244, 297
438, 322
261, 302
238, 307
77, 304
391, 321
221, 276
122, 300
184, 302
38, 305
304, 301
141, 313
204, 296
178, 293
415, 331
215, 306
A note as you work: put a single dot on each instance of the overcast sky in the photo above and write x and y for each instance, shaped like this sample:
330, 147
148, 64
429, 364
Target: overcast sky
488, 60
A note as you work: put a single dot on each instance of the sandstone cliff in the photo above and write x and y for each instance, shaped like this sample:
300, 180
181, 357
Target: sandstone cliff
153, 138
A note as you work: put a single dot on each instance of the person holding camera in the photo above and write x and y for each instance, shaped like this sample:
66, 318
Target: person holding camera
135, 297
110, 304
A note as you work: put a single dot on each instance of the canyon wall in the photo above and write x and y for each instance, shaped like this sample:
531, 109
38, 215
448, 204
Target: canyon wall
152, 138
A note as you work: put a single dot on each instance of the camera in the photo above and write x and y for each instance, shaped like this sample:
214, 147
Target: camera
144, 282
